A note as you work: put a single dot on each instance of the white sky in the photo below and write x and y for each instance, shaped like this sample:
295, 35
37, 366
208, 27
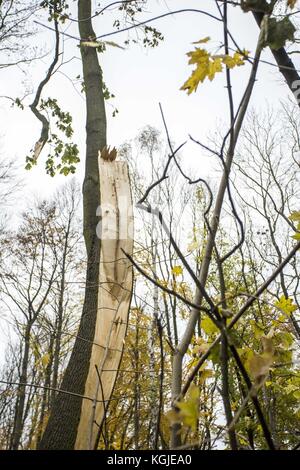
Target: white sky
139, 79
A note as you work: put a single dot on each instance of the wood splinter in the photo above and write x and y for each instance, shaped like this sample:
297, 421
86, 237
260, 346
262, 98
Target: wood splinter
108, 154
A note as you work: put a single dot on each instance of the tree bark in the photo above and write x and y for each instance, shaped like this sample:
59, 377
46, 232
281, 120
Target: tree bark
18, 421
61, 430
60, 316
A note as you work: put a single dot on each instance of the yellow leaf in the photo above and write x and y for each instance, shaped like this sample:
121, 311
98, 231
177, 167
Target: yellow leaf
286, 305
296, 236
191, 364
297, 394
214, 67
208, 65
295, 216
228, 61
205, 68
236, 60
198, 56
45, 359
202, 41
208, 326
290, 388
192, 83
177, 270
259, 366
189, 409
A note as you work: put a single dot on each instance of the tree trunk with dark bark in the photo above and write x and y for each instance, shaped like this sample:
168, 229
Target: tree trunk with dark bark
61, 430
21, 394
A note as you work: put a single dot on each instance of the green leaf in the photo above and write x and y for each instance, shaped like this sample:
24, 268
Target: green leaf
208, 326
297, 394
286, 305
279, 32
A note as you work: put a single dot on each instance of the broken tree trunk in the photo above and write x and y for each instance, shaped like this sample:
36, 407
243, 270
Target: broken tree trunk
115, 287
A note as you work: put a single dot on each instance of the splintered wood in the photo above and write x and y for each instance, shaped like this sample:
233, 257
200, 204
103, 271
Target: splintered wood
115, 287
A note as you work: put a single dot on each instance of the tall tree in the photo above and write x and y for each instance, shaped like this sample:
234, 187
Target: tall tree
61, 429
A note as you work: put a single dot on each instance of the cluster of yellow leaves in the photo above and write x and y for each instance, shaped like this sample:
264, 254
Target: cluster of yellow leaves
207, 65
295, 217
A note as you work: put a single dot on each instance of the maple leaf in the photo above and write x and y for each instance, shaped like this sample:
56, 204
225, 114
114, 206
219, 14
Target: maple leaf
208, 65
236, 60
214, 66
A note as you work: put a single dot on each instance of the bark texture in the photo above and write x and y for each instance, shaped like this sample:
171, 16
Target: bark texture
62, 427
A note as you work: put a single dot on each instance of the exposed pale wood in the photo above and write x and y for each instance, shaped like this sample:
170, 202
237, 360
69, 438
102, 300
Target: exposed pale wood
114, 296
